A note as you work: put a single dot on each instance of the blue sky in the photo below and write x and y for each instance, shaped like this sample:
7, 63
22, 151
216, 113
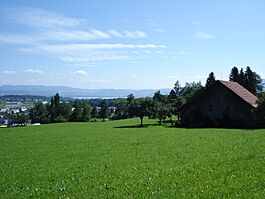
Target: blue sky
128, 44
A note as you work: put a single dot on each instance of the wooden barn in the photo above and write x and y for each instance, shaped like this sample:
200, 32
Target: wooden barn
224, 104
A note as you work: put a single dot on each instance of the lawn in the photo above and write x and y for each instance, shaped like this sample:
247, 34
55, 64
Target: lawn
118, 160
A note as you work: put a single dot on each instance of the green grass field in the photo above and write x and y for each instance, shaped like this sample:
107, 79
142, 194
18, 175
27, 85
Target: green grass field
115, 160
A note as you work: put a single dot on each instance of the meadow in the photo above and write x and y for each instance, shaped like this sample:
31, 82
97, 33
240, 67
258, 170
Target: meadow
116, 159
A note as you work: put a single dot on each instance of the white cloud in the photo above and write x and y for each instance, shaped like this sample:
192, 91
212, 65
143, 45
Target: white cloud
80, 72
147, 51
115, 33
183, 52
128, 34
9, 72
78, 47
90, 53
134, 75
16, 39
205, 35
160, 30
134, 34
41, 18
34, 71
66, 35
100, 34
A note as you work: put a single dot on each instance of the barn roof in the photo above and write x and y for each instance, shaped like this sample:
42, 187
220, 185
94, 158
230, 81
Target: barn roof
241, 92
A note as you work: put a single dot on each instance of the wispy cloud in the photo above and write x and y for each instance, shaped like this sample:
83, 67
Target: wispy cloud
67, 35
183, 52
77, 35
75, 47
80, 72
9, 72
115, 33
34, 71
90, 53
205, 35
41, 18
17, 39
128, 34
134, 75
159, 30
57, 36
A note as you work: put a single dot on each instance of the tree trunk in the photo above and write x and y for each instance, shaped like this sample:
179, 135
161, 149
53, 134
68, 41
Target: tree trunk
141, 118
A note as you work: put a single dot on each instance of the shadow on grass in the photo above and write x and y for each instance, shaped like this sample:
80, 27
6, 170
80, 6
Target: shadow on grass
135, 126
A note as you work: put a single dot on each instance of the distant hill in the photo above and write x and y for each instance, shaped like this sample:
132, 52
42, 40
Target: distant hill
75, 92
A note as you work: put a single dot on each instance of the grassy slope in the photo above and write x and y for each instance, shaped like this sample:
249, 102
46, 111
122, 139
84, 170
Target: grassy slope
96, 160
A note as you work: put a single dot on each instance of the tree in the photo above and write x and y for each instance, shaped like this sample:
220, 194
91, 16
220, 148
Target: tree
142, 108
248, 79
104, 111
130, 105
177, 88
159, 97
54, 108
190, 90
241, 78
65, 111
210, 80
233, 77
252, 81
76, 115
86, 112
162, 111
121, 110
39, 114
21, 118
259, 112
94, 112
172, 95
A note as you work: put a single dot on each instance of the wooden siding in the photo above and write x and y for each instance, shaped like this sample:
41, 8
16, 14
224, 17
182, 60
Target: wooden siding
217, 103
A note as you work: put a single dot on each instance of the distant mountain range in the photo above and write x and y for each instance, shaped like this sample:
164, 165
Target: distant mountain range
65, 91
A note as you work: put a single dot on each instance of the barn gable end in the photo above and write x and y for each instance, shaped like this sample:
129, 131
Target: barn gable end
223, 104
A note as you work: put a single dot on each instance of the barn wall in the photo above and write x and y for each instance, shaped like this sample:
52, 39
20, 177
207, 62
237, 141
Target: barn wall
219, 102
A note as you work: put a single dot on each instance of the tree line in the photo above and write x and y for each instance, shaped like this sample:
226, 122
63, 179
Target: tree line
158, 107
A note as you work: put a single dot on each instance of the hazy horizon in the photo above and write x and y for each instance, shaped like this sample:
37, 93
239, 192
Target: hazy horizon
128, 44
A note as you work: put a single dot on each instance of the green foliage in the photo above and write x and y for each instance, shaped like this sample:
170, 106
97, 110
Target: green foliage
177, 88
141, 108
113, 160
104, 110
159, 97
234, 75
162, 111
248, 79
94, 112
259, 112
121, 111
81, 112
39, 113
190, 90
210, 80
